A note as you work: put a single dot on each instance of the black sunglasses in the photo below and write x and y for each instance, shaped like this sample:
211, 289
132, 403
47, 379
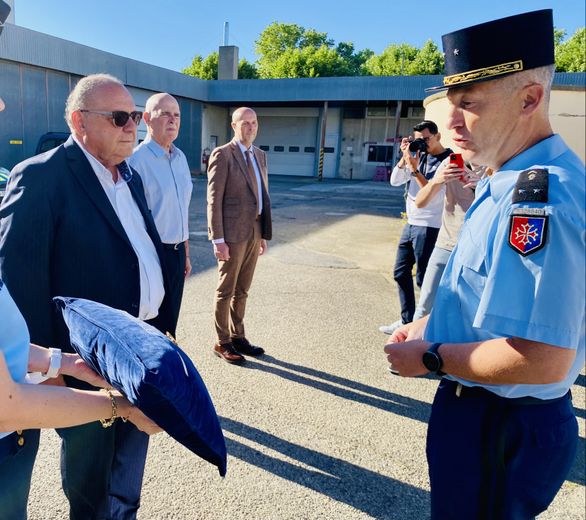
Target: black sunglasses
119, 117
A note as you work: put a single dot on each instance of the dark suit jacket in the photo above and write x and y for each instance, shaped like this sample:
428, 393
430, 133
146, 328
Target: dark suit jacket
60, 236
232, 197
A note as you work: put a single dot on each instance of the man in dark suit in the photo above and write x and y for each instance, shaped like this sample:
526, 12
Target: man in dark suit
75, 222
239, 225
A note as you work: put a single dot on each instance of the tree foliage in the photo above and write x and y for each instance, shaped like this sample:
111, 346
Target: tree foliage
207, 68
287, 50
204, 68
570, 55
406, 60
291, 51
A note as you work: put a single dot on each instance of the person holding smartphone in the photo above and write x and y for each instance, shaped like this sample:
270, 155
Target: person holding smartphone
421, 158
458, 182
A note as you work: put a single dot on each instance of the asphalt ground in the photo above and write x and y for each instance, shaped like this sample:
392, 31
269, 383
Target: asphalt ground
317, 428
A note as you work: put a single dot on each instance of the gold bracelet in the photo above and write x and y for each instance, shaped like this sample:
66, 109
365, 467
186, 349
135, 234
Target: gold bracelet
106, 423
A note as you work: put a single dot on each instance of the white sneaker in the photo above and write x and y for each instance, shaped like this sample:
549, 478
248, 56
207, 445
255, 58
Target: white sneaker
389, 329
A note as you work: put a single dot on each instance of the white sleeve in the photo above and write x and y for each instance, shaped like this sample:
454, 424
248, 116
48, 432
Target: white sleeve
399, 176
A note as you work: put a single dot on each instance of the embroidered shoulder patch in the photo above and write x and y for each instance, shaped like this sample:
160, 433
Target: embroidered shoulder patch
527, 230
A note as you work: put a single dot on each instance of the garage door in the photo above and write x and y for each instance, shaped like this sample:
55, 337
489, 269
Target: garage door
289, 142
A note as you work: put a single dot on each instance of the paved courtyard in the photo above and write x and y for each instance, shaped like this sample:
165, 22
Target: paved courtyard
317, 428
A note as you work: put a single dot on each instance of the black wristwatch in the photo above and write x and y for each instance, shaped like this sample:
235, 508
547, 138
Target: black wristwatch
432, 360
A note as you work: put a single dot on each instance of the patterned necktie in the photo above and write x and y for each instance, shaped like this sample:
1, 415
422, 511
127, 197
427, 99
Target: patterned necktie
124, 171
252, 176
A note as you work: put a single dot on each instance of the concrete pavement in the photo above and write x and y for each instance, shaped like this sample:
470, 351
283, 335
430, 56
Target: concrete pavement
317, 428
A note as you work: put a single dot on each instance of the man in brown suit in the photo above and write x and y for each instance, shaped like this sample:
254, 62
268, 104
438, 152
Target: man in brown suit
239, 225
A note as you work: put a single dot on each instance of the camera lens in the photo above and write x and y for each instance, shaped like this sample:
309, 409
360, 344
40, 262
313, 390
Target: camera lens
418, 145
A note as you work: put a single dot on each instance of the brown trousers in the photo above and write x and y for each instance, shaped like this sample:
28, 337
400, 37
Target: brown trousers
235, 279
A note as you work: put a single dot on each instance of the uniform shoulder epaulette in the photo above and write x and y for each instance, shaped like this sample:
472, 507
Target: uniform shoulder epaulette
532, 186
528, 226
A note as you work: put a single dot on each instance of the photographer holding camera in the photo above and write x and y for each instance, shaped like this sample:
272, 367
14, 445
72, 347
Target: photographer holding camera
421, 158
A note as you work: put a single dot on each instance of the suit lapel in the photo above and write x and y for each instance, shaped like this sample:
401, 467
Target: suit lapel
83, 172
261, 166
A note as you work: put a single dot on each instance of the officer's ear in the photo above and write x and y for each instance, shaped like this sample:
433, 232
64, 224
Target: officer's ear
532, 97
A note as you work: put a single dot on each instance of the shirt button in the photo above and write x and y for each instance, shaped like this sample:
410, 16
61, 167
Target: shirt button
20, 441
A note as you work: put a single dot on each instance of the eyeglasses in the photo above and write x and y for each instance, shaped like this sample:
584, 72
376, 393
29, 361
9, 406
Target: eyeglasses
119, 117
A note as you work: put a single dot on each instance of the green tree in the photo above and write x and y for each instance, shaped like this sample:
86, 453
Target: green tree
406, 60
291, 51
395, 60
204, 68
570, 55
247, 70
207, 68
429, 60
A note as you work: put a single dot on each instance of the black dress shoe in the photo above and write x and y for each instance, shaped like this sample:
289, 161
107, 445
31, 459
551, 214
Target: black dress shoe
228, 353
243, 346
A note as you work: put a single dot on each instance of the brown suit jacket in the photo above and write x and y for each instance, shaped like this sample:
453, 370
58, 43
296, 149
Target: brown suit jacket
231, 195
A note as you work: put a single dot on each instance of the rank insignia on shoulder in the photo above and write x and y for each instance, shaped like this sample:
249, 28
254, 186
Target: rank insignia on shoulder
532, 186
527, 230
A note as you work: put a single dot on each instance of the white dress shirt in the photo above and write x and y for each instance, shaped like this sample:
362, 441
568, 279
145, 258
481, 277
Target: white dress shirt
152, 289
167, 186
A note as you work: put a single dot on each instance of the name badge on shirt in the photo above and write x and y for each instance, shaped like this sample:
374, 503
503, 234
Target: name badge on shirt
527, 230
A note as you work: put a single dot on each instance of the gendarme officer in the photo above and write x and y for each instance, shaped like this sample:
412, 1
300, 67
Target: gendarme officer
507, 328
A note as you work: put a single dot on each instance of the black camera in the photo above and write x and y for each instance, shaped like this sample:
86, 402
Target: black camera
418, 145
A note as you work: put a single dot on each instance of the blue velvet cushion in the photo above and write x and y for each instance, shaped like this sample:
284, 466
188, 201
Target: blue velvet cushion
150, 370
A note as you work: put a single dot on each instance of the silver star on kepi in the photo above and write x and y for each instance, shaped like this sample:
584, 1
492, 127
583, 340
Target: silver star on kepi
456, 52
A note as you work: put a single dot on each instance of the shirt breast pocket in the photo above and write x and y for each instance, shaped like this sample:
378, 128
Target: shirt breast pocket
472, 260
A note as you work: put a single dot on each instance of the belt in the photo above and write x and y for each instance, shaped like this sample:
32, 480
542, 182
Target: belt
479, 392
173, 246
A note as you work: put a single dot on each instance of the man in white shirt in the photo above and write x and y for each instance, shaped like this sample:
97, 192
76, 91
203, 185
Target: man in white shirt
74, 222
421, 158
167, 186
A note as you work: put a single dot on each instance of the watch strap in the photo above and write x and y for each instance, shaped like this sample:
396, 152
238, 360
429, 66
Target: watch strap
434, 350
54, 363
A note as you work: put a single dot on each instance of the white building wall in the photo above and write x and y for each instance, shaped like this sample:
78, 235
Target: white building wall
214, 129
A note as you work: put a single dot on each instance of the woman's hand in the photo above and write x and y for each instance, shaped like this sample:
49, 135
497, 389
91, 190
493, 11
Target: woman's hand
135, 416
72, 365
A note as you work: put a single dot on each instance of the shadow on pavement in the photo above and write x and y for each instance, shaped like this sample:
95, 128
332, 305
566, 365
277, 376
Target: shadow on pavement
354, 391
377, 495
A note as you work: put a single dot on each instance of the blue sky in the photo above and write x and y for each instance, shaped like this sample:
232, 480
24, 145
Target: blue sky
168, 33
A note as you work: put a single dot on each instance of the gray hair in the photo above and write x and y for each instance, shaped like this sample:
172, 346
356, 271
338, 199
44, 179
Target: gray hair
154, 100
82, 92
541, 75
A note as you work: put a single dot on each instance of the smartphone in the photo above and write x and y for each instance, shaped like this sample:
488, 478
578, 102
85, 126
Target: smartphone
456, 159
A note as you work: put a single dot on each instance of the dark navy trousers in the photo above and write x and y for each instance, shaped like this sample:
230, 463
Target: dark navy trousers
492, 458
415, 247
175, 264
17, 457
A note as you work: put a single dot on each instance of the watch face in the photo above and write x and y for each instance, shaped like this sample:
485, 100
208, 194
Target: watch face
431, 361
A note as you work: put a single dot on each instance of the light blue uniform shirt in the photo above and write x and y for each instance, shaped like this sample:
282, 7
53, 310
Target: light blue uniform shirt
14, 338
167, 185
489, 290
